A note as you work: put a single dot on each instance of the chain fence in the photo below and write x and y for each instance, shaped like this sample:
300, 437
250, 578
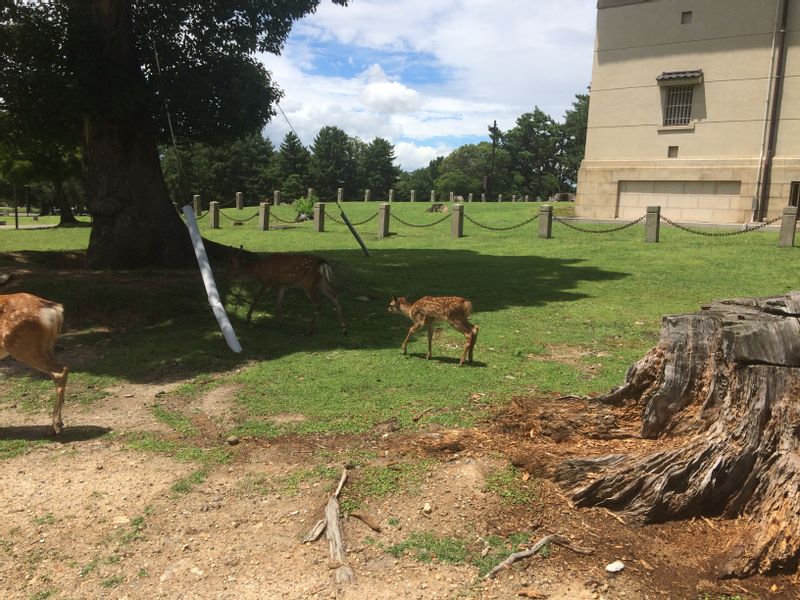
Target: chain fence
491, 228
591, 230
444, 218
357, 224
745, 229
239, 221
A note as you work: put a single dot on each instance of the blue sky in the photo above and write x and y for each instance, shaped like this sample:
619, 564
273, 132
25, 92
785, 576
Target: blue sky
431, 76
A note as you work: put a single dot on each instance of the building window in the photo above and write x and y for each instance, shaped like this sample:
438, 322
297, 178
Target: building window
672, 152
686, 17
794, 194
678, 105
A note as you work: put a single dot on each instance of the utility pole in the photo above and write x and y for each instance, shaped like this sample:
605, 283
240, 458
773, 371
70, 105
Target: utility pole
493, 131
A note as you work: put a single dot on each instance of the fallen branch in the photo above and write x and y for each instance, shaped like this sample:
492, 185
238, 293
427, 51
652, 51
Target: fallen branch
420, 415
548, 539
368, 519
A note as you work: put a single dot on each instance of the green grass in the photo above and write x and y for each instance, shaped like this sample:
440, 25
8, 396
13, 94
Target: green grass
174, 419
375, 482
566, 315
508, 485
12, 448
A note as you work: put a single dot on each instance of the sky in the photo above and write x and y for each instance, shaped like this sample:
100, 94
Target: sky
430, 75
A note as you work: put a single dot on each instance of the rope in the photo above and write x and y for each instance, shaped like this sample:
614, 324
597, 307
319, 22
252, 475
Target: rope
587, 230
722, 233
444, 218
510, 227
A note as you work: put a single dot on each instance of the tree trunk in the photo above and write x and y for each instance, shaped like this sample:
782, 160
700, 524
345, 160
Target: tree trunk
61, 200
134, 222
722, 390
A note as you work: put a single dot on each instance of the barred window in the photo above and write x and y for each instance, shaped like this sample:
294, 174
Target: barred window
678, 105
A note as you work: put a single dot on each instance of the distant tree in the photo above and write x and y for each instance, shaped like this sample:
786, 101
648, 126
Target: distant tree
422, 180
293, 158
243, 166
332, 163
463, 170
379, 166
531, 145
572, 142
293, 188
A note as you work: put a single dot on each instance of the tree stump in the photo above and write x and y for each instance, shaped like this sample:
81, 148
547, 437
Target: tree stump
722, 389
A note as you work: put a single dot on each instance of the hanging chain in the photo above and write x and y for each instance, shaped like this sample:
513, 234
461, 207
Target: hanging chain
241, 221
359, 223
587, 230
723, 233
510, 227
444, 218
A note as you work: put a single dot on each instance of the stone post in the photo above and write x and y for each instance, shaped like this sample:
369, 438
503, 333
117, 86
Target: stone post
383, 220
310, 192
513, 197
527, 198
469, 198
214, 207
413, 196
433, 195
239, 201
652, 223
391, 195
276, 197
788, 227
319, 217
499, 197
546, 221
339, 194
483, 197
367, 195
263, 216
457, 221
452, 196
196, 204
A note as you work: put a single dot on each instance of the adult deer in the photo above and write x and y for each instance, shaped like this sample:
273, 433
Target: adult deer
29, 326
312, 273
429, 309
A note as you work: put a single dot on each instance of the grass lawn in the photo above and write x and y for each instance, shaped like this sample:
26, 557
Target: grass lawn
561, 316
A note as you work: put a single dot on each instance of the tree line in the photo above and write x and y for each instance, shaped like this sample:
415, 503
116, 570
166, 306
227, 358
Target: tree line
537, 157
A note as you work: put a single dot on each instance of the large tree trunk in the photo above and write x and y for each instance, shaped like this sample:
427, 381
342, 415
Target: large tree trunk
62, 201
722, 390
134, 223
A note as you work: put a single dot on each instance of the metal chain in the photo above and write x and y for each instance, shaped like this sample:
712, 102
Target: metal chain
722, 233
277, 218
201, 215
248, 219
359, 223
444, 218
490, 228
611, 230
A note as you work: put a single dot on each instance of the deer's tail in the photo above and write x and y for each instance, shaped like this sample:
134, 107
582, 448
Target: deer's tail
326, 271
467, 307
51, 316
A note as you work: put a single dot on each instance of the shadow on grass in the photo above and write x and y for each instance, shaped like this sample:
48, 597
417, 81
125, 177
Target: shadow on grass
156, 326
450, 360
34, 433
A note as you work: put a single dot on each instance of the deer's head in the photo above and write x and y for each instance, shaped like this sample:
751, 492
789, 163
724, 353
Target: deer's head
396, 305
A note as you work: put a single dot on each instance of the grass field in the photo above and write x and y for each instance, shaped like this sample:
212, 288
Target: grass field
566, 315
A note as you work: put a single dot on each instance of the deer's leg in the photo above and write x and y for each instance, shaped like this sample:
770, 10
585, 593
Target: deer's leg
473, 340
330, 293
281, 294
40, 357
430, 325
468, 329
412, 330
313, 297
265, 287
60, 379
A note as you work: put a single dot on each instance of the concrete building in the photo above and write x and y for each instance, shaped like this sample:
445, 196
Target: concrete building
694, 106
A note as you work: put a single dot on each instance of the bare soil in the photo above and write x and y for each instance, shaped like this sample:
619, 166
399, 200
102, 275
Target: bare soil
88, 517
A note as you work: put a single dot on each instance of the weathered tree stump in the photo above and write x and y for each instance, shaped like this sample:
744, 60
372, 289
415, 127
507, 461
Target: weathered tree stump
722, 389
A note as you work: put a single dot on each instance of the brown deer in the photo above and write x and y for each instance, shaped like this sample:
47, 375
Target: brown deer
282, 270
430, 309
29, 326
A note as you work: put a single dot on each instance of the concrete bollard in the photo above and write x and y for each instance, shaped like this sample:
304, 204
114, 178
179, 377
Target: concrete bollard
483, 197
391, 195
383, 220
413, 196
788, 227
239, 201
319, 217
276, 197
263, 216
513, 197
527, 198
652, 224
214, 208
452, 196
310, 193
457, 221
546, 222
367, 195
499, 197
340, 194
196, 204
469, 198
433, 195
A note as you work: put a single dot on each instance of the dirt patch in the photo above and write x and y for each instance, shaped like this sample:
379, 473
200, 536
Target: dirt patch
94, 518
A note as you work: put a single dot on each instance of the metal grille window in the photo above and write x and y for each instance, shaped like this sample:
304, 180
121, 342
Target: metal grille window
794, 194
678, 106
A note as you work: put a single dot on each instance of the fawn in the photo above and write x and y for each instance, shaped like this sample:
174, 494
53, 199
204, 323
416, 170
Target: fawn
310, 272
430, 309
29, 326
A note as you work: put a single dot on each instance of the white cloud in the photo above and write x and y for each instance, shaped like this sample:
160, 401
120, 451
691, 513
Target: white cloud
501, 57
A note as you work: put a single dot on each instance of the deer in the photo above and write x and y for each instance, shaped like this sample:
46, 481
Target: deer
429, 309
308, 271
29, 326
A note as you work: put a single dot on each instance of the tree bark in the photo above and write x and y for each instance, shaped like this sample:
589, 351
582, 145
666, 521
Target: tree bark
134, 222
722, 389
61, 200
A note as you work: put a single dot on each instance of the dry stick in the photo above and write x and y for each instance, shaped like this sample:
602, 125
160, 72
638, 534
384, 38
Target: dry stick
419, 416
319, 528
555, 539
336, 549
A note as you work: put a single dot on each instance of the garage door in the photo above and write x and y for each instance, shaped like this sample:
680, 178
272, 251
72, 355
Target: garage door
689, 201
